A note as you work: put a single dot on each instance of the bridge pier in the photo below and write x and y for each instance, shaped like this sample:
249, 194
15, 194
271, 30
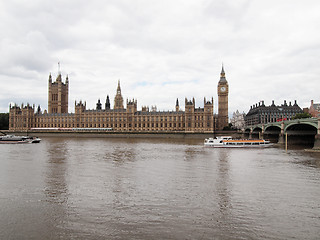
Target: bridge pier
281, 134
281, 139
316, 145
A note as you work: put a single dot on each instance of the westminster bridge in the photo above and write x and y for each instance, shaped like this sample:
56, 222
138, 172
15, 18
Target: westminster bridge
298, 131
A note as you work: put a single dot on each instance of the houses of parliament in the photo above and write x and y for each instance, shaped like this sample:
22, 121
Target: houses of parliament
120, 118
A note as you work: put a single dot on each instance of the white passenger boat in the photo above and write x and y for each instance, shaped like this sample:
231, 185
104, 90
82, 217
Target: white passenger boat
12, 139
228, 141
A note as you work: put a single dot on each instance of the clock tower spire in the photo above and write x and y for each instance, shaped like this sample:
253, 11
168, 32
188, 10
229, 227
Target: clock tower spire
223, 91
118, 100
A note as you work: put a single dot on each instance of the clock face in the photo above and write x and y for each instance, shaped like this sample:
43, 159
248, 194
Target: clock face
223, 89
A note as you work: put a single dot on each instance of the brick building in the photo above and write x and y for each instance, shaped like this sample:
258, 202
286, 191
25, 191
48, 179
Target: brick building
314, 109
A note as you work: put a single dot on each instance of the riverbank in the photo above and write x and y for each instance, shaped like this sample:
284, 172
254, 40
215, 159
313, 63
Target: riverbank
104, 134
312, 150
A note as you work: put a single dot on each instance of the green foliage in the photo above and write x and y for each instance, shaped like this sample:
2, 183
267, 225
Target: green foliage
4, 121
302, 115
227, 128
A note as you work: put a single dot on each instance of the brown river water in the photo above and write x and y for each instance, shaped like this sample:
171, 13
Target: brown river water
99, 188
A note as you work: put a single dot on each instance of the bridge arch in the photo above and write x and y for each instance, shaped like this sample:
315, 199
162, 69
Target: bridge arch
297, 124
272, 128
272, 133
256, 132
247, 130
257, 129
301, 133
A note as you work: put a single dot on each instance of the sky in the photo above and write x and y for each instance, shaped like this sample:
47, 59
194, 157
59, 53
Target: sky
161, 51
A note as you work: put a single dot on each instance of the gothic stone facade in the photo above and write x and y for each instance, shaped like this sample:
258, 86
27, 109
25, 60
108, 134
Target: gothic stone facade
118, 119
58, 95
223, 92
237, 120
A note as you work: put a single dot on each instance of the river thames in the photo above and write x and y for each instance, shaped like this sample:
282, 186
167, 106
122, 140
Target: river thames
99, 188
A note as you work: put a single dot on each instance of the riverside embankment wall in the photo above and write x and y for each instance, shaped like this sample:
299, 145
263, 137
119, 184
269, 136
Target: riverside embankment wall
123, 134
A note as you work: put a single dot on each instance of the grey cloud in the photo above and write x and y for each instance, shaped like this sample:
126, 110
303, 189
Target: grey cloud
166, 44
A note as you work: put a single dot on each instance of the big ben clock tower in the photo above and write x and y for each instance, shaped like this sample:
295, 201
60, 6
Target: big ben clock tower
223, 91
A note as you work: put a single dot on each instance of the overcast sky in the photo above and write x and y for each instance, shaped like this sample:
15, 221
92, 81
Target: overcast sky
161, 50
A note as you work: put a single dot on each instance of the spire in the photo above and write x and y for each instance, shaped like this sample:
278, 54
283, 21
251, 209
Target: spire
119, 88
107, 105
223, 75
59, 72
118, 100
59, 78
50, 78
177, 105
222, 71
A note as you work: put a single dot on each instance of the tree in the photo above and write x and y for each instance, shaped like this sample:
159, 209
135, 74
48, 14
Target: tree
228, 127
302, 115
4, 121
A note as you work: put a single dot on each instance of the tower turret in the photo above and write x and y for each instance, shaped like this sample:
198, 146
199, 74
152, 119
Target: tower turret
58, 94
189, 115
223, 91
118, 100
107, 105
208, 120
98, 105
177, 105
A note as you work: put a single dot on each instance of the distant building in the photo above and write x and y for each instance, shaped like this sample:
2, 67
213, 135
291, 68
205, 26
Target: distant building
237, 120
121, 119
314, 109
260, 113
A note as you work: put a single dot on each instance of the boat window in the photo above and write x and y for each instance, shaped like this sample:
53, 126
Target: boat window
247, 143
